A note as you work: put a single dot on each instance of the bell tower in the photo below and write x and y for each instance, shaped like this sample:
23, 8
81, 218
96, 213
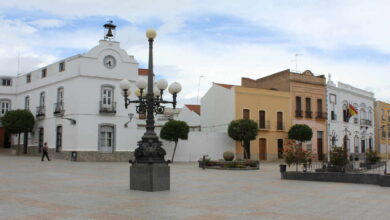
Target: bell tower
109, 31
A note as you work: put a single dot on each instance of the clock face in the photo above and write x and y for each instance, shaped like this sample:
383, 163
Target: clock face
109, 62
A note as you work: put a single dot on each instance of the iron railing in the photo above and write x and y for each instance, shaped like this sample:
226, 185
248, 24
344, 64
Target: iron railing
308, 114
264, 125
40, 111
107, 108
298, 113
365, 122
321, 115
59, 108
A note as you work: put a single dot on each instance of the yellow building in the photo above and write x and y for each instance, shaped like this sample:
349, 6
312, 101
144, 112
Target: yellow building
382, 128
271, 110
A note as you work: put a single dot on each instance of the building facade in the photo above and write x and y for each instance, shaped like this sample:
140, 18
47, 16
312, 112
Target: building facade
77, 103
270, 109
355, 132
307, 106
382, 128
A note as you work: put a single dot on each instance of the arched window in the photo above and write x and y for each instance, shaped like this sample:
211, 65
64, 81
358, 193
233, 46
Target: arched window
5, 106
107, 138
42, 99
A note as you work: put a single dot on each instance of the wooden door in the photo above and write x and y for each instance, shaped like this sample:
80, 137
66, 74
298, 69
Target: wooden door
262, 149
320, 145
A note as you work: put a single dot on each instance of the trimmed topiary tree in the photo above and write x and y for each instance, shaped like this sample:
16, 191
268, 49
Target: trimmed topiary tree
228, 156
18, 122
243, 130
300, 133
173, 131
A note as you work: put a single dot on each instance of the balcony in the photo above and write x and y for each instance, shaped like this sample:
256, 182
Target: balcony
264, 125
280, 126
308, 114
298, 113
107, 109
40, 112
321, 115
59, 109
365, 122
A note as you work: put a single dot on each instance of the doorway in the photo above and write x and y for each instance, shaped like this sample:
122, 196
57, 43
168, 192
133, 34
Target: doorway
280, 148
40, 140
59, 138
262, 149
320, 142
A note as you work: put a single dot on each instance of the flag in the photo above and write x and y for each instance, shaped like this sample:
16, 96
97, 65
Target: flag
352, 110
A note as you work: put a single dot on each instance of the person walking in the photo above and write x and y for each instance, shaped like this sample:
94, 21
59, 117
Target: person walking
45, 150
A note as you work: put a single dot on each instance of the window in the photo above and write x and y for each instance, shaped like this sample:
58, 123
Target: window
106, 138
245, 114
28, 78
308, 104
42, 99
27, 103
345, 113
107, 104
279, 121
298, 109
356, 144
298, 103
388, 115
332, 115
383, 115
262, 119
44, 73
5, 106
61, 66
6, 82
309, 146
60, 95
319, 106
106, 96
332, 98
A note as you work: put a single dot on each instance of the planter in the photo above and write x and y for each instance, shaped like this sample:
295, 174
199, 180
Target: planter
283, 168
230, 165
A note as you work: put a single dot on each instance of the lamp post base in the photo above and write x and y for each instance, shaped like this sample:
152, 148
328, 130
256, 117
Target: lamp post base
150, 177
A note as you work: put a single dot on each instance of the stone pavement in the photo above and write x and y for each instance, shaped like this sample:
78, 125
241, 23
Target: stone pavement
31, 189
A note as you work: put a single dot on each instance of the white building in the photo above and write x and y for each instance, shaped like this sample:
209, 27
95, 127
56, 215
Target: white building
191, 115
80, 111
356, 133
78, 104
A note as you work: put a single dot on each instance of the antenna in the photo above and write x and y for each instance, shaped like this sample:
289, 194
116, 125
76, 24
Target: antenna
296, 61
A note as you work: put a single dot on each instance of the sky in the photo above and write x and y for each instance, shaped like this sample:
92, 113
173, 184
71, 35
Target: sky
199, 42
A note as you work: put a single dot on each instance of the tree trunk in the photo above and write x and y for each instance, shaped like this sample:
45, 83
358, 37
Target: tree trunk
174, 151
243, 147
18, 144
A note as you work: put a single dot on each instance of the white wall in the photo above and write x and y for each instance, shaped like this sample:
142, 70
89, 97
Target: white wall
199, 144
217, 109
190, 117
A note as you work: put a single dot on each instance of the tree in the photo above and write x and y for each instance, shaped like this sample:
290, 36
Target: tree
243, 130
173, 131
301, 133
18, 122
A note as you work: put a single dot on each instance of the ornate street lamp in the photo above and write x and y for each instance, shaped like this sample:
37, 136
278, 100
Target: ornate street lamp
149, 170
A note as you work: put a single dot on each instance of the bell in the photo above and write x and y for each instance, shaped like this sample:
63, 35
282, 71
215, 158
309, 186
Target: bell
109, 33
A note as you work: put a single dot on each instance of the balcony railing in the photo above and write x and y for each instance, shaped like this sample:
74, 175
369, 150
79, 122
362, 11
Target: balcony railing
321, 115
308, 114
264, 125
280, 126
59, 108
40, 111
298, 113
365, 122
105, 108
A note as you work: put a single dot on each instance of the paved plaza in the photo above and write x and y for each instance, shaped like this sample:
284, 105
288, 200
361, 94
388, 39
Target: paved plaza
31, 189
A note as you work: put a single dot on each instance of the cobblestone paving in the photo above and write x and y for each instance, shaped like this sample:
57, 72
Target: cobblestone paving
31, 189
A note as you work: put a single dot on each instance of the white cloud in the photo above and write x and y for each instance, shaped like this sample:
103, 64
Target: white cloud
325, 25
47, 23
